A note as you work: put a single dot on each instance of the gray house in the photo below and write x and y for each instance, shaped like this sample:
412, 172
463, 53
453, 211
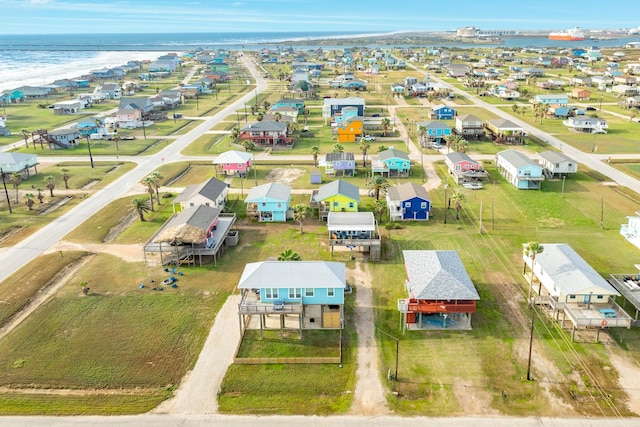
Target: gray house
555, 163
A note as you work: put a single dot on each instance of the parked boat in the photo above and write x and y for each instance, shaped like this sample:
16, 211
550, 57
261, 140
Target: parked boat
573, 34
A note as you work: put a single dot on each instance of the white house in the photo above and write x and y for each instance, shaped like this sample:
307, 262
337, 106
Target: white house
587, 124
557, 163
631, 230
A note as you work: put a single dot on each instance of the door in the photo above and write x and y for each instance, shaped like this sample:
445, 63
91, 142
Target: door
331, 319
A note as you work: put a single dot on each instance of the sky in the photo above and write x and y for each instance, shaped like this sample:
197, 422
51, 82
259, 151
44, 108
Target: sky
371, 16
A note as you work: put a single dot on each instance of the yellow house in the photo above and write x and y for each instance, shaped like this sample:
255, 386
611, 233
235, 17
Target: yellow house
337, 196
350, 130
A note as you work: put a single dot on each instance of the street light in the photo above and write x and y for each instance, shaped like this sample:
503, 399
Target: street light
90, 156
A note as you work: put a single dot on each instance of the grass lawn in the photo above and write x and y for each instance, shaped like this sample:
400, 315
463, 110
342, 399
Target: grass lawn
315, 343
434, 364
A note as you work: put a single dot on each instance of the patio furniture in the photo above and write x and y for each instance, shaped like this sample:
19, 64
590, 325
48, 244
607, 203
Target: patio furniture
278, 305
608, 312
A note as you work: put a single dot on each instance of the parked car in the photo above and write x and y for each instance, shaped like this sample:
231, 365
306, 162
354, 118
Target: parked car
436, 146
591, 108
368, 138
375, 115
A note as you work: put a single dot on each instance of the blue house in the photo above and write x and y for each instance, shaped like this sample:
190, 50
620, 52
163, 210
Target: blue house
442, 112
391, 162
558, 99
298, 104
312, 290
522, 172
435, 131
408, 201
269, 202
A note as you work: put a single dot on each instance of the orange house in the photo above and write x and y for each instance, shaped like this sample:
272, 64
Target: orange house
580, 93
350, 130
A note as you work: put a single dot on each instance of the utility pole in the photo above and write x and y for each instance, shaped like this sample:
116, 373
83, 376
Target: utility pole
480, 229
445, 203
90, 156
6, 193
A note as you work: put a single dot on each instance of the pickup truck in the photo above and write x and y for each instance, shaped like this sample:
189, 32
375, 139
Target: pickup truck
472, 185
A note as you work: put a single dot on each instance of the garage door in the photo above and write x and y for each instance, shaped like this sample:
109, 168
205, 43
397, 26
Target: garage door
331, 319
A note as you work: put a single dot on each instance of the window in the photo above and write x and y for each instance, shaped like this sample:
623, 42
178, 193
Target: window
295, 293
331, 292
308, 292
351, 204
423, 205
279, 204
335, 204
263, 204
271, 293
599, 296
407, 204
572, 297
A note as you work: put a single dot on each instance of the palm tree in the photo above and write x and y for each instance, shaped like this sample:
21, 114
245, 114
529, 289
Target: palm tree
266, 105
379, 208
25, 134
301, 213
65, 177
385, 125
422, 134
338, 148
40, 195
235, 133
381, 148
457, 143
141, 206
531, 249
148, 181
378, 183
157, 183
515, 108
364, 146
315, 150
16, 180
288, 255
50, 184
277, 116
29, 201
458, 198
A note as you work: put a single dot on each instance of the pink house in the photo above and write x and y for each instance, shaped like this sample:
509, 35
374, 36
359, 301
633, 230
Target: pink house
233, 162
464, 168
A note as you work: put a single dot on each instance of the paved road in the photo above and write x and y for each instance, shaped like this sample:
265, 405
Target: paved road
31, 247
296, 421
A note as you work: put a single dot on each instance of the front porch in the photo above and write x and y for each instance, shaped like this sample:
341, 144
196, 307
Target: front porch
435, 315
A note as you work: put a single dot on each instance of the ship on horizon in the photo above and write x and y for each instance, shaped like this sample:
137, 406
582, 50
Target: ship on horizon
573, 34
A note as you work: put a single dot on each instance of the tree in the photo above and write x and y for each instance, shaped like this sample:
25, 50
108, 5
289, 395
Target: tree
289, 255
235, 133
277, 116
266, 105
40, 195
16, 180
379, 209
515, 108
381, 148
29, 201
248, 145
301, 213
422, 134
385, 125
50, 184
65, 177
364, 146
141, 206
148, 182
315, 150
457, 198
157, 183
378, 183
531, 249
338, 148
456, 142
85, 288
25, 134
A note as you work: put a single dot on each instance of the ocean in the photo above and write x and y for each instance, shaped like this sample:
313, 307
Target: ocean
41, 59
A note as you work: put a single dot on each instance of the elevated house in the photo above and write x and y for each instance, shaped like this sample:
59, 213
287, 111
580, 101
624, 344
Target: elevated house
469, 126
435, 131
312, 291
335, 196
391, 162
572, 292
440, 293
212, 192
580, 94
332, 106
350, 130
503, 131
195, 234
67, 107
408, 202
557, 164
463, 168
343, 163
354, 230
63, 138
269, 202
297, 104
266, 133
233, 163
519, 170
11, 162
586, 124
558, 99
442, 112
630, 230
